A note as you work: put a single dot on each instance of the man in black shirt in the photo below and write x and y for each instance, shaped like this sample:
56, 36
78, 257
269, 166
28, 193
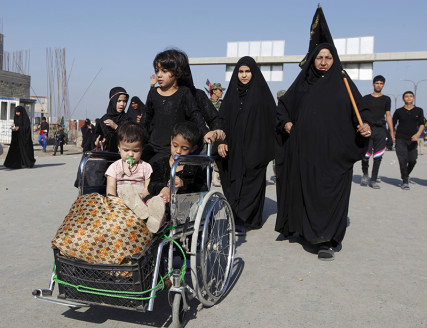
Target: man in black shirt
411, 125
379, 105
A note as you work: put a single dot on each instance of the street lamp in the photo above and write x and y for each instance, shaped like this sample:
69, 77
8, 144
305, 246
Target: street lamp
415, 87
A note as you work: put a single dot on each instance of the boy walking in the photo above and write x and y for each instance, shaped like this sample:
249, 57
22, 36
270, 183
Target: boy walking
411, 125
379, 105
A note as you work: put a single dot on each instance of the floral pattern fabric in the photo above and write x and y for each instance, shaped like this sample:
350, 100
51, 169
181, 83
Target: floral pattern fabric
101, 230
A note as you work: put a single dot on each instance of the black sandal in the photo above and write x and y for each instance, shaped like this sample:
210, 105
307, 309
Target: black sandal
326, 253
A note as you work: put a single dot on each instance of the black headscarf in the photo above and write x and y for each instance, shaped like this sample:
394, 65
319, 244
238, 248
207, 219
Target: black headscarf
243, 88
112, 114
133, 113
322, 96
85, 126
21, 151
314, 162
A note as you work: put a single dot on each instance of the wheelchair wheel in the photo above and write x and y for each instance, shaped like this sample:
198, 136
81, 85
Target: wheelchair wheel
178, 311
213, 246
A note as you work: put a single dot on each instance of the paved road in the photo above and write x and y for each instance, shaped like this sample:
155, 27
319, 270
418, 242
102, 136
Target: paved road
378, 279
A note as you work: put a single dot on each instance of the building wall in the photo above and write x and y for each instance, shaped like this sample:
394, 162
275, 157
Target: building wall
7, 113
14, 85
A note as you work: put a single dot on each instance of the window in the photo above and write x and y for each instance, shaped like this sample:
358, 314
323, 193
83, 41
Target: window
3, 110
12, 111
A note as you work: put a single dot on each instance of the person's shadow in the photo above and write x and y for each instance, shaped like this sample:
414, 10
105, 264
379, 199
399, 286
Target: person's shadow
419, 181
391, 181
357, 179
34, 167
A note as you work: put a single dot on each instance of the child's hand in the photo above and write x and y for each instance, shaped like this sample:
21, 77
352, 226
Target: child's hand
222, 150
99, 144
165, 194
111, 124
178, 182
153, 80
288, 127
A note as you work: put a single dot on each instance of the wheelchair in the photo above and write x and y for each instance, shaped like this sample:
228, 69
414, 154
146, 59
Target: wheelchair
200, 226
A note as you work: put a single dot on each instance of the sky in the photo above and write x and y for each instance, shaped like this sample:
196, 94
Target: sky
112, 44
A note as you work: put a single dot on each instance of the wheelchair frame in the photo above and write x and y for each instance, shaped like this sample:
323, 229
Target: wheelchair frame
209, 224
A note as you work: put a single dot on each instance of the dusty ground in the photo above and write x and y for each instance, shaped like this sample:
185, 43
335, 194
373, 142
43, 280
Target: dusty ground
378, 279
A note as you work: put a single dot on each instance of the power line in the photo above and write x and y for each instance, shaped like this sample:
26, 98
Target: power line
86, 91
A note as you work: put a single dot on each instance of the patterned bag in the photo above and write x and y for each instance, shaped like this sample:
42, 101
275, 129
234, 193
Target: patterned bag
101, 229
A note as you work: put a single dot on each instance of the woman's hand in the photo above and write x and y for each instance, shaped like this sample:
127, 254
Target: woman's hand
220, 135
222, 150
288, 127
138, 118
364, 130
211, 136
165, 194
111, 124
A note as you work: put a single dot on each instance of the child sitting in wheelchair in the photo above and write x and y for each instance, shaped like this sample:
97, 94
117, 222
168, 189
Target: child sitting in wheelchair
186, 138
111, 229
129, 177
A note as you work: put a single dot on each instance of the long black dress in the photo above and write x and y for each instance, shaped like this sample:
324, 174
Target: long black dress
88, 131
133, 113
314, 163
248, 112
104, 130
21, 151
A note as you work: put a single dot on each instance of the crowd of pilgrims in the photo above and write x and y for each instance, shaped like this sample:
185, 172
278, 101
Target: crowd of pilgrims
313, 134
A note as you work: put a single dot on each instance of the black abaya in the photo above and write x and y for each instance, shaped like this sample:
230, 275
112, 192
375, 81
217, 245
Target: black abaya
314, 163
87, 136
133, 113
21, 151
248, 114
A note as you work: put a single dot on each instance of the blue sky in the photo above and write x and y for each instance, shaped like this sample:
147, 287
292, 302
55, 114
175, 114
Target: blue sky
123, 39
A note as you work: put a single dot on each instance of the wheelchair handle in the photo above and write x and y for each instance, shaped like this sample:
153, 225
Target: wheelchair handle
209, 148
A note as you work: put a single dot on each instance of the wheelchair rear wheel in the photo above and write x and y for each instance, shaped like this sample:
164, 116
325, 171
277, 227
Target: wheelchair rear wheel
213, 247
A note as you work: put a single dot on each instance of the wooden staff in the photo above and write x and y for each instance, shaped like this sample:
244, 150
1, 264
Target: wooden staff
352, 99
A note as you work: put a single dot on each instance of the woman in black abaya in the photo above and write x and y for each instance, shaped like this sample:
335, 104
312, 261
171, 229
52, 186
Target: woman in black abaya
87, 135
136, 108
21, 151
319, 140
105, 134
248, 111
